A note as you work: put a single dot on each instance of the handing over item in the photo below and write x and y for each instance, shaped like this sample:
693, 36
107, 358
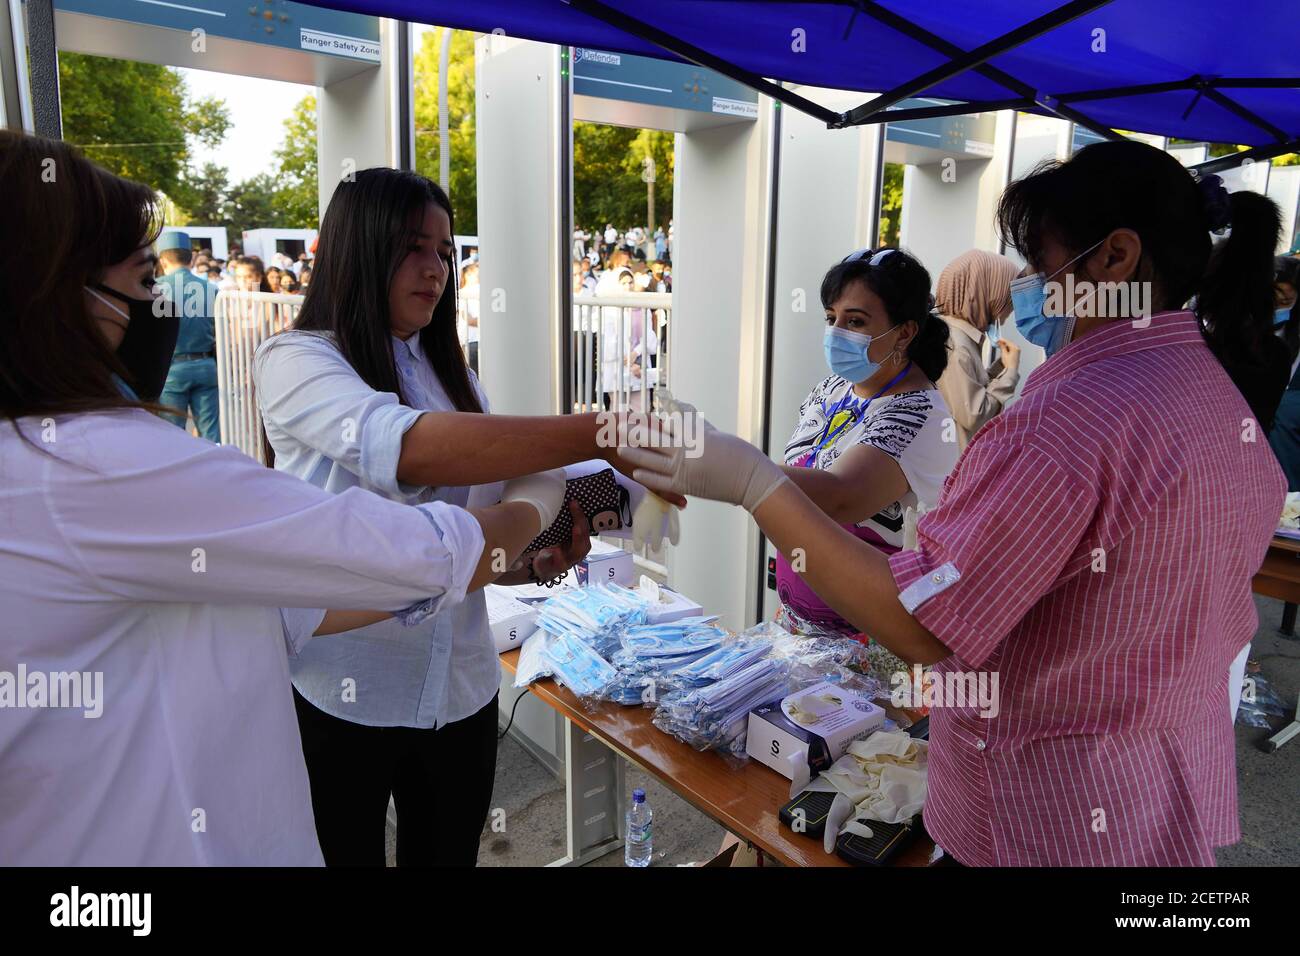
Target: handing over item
718, 466
612, 504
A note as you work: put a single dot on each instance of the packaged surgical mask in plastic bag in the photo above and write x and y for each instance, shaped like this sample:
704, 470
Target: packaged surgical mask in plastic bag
533, 663
578, 667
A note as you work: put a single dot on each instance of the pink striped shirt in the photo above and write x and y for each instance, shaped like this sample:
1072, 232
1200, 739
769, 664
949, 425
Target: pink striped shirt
1094, 547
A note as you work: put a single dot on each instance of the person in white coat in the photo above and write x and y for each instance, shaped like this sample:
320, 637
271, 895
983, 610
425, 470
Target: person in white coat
154, 586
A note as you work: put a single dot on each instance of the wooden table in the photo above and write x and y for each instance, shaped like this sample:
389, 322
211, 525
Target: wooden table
744, 800
1279, 577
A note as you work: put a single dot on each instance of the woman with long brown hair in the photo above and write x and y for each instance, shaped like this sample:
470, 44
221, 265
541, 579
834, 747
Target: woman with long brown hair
158, 583
371, 389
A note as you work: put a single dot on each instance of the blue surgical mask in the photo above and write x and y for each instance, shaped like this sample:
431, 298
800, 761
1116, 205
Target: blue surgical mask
846, 353
1281, 317
1028, 296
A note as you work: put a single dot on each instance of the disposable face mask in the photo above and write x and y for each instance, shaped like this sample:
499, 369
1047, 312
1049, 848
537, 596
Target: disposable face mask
146, 348
684, 636
722, 662
715, 717
1281, 317
846, 353
1028, 297
578, 667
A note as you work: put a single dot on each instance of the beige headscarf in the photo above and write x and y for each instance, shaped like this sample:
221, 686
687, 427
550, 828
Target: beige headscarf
976, 286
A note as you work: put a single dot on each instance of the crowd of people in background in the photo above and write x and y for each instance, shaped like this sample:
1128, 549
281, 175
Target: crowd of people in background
285, 275
628, 344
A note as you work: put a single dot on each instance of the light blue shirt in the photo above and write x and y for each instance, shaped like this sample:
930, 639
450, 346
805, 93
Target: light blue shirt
329, 427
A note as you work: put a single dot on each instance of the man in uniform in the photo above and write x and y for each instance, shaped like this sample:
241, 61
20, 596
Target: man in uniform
191, 386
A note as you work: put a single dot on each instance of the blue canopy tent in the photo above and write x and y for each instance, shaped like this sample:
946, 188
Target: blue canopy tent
1193, 69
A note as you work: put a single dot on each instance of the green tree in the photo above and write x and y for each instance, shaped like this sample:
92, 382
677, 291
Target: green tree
297, 197
252, 205
463, 184
201, 194
607, 184
891, 204
136, 119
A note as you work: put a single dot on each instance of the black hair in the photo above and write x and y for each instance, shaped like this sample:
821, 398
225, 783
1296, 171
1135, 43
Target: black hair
56, 239
1287, 269
367, 231
903, 285
1235, 301
1130, 185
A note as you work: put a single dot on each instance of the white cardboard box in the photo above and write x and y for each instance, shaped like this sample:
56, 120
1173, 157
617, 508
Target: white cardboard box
509, 620
605, 563
828, 719
671, 607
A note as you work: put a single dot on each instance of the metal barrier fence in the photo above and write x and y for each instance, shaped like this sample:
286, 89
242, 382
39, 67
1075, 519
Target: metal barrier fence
620, 356
620, 350
244, 320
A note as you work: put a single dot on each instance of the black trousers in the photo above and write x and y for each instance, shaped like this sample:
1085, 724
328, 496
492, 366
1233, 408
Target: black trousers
440, 781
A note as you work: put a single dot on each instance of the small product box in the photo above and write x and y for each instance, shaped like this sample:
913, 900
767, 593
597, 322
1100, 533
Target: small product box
671, 606
509, 620
605, 563
810, 729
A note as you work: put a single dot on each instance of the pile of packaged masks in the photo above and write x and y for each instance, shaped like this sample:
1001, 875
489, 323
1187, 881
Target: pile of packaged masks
652, 653
578, 667
725, 660
597, 615
716, 716
816, 659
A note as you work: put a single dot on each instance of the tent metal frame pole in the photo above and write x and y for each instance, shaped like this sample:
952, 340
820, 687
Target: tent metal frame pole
1220, 163
1116, 92
977, 57
987, 70
952, 109
1232, 106
688, 51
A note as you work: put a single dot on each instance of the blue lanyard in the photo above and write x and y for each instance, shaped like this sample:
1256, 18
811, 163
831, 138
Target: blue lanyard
824, 439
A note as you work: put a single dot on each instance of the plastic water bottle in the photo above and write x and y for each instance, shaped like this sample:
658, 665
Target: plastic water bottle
637, 848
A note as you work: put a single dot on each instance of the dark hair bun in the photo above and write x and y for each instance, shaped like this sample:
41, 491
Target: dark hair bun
1217, 202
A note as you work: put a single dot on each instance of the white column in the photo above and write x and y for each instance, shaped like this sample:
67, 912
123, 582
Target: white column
716, 337
827, 201
517, 119
356, 119
15, 92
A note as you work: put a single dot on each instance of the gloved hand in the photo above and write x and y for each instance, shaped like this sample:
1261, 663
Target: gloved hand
544, 491
648, 522
721, 466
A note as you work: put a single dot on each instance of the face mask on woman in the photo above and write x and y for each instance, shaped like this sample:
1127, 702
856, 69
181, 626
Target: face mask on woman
1281, 316
846, 353
1029, 295
146, 349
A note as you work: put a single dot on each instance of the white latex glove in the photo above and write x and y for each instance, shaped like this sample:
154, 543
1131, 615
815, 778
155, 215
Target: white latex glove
544, 491
721, 467
648, 522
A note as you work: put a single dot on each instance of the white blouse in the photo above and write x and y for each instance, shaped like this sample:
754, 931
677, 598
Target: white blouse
145, 710
328, 426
